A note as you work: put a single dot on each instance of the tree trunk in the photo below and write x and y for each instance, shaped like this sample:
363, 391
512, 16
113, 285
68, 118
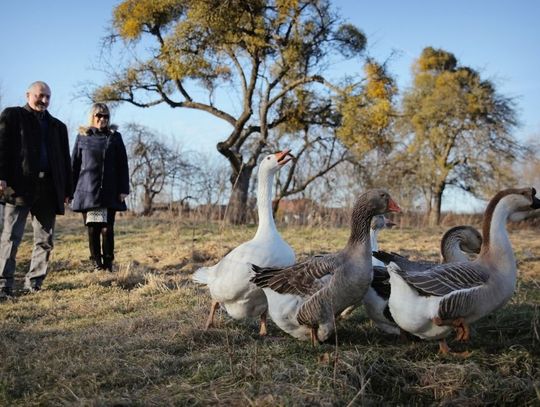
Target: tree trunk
147, 204
435, 213
237, 209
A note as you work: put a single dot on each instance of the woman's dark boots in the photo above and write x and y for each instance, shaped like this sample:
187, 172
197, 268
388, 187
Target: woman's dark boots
100, 234
107, 237
108, 262
95, 247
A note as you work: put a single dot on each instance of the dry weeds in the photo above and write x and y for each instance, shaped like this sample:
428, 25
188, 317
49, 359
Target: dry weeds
135, 337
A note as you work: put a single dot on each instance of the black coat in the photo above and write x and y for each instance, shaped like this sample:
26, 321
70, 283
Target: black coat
20, 144
100, 170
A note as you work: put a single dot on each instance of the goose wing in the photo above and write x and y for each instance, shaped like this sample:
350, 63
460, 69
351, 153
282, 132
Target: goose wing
457, 304
403, 262
381, 281
302, 278
445, 279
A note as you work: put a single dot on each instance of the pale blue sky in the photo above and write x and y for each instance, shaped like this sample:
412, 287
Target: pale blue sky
58, 41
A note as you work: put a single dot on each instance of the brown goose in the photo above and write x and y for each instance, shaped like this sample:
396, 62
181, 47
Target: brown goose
430, 303
378, 223
304, 299
457, 244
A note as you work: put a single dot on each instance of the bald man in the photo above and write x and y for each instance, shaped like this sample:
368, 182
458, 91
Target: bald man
35, 179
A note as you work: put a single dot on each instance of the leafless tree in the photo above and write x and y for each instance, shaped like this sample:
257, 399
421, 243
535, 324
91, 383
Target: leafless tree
528, 169
153, 165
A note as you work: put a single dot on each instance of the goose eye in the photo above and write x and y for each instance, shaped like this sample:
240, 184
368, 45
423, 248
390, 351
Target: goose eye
267, 158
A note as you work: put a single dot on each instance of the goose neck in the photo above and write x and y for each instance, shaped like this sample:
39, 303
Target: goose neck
496, 242
373, 239
360, 227
264, 204
451, 252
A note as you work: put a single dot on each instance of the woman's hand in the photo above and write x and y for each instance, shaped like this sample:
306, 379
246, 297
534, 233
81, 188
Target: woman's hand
122, 197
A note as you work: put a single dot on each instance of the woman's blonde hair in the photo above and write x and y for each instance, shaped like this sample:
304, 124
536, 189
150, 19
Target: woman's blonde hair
98, 108
95, 109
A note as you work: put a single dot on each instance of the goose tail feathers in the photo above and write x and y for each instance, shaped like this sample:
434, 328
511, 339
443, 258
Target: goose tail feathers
201, 275
261, 276
387, 257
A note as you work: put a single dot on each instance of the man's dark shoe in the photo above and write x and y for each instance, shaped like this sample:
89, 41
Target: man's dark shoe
98, 267
6, 293
108, 263
31, 289
97, 264
31, 286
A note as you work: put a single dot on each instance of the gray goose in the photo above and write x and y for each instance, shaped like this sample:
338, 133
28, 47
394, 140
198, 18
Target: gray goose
305, 298
457, 244
430, 303
378, 223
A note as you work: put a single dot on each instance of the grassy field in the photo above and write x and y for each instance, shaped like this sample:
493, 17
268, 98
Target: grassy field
135, 337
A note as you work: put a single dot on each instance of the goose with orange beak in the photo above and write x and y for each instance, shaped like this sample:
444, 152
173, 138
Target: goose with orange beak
304, 299
228, 280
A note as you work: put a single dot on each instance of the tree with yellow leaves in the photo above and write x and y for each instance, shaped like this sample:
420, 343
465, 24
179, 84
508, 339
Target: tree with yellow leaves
269, 55
368, 112
457, 130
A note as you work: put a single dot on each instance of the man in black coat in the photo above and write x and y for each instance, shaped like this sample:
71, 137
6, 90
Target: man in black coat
35, 178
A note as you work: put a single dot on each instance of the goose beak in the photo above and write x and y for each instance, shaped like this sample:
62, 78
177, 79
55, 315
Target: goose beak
283, 157
393, 206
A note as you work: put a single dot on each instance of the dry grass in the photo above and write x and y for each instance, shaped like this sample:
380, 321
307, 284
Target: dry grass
135, 337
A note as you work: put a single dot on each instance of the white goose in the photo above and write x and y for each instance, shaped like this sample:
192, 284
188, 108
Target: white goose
457, 244
304, 299
430, 303
228, 280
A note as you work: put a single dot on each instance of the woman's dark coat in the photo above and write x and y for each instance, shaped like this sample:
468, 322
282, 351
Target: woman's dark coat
100, 170
20, 144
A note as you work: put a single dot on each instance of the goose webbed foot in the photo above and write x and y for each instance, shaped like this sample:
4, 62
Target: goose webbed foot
210, 321
463, 332
444, 349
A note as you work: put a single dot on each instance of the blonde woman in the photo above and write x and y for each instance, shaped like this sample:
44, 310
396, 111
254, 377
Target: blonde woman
101, 180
